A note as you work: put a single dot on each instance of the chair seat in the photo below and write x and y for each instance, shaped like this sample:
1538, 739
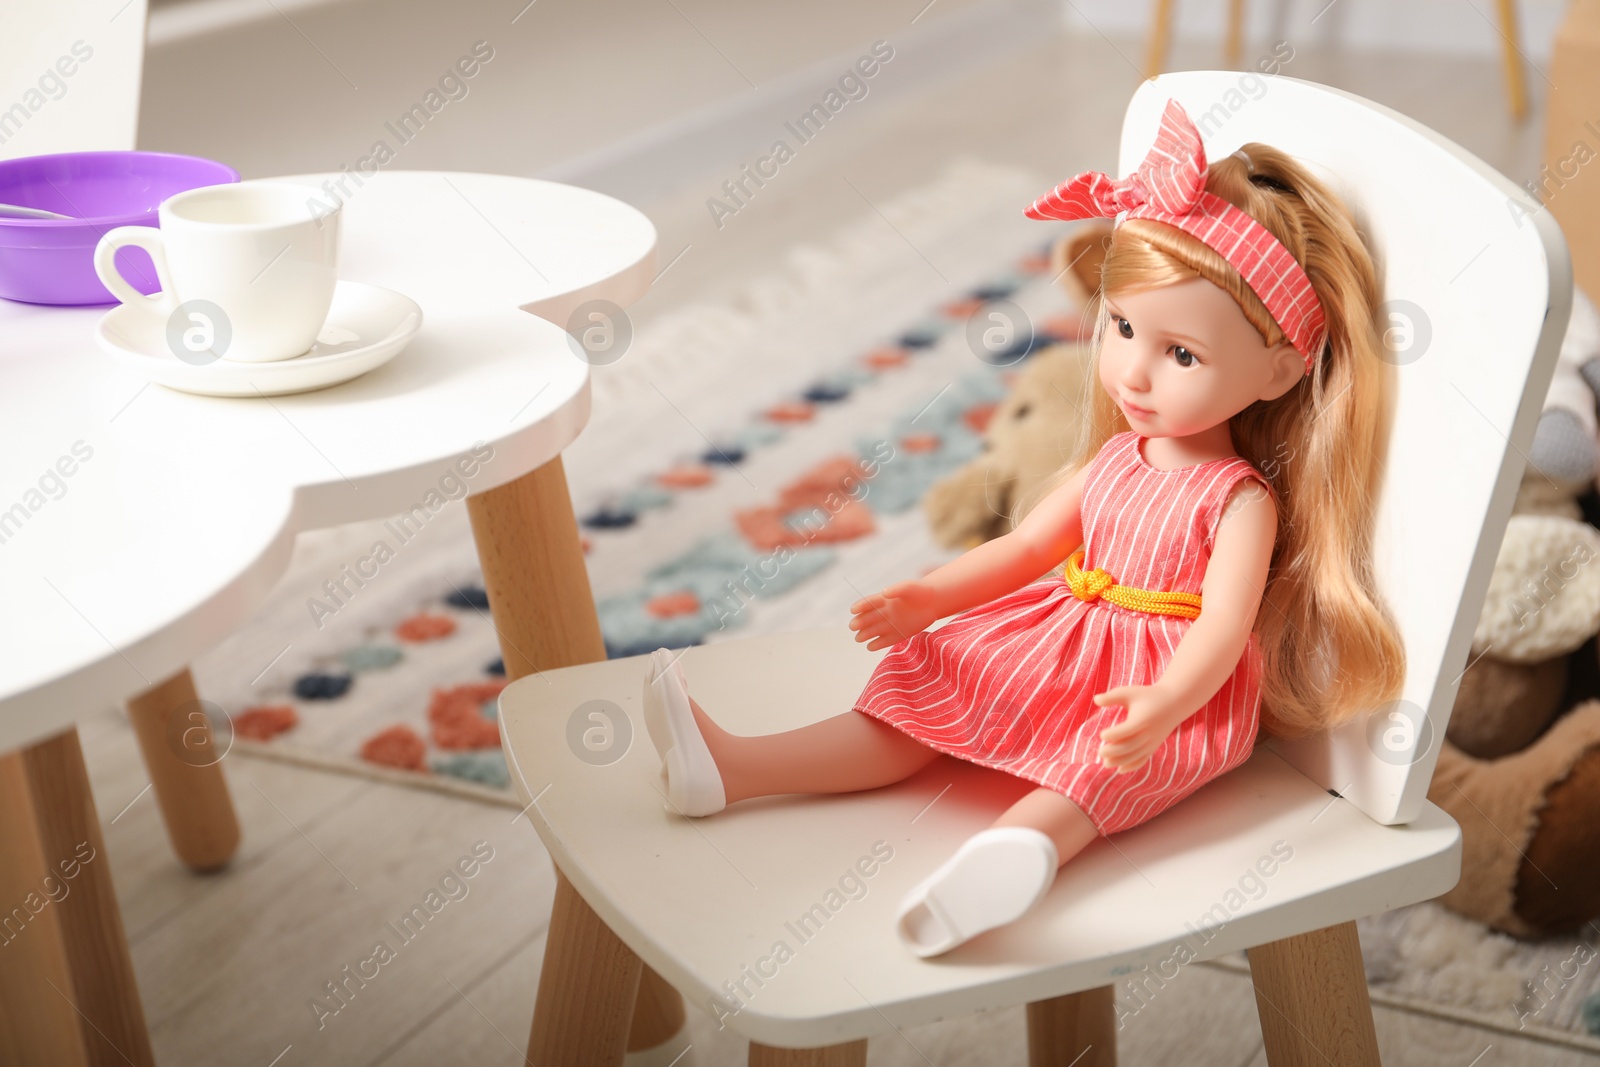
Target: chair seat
776, 915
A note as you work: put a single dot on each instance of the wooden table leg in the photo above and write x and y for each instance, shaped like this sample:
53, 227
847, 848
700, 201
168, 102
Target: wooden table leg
67, 989
1311, 995
534, 572
1077, 1029
186, 772
538, 586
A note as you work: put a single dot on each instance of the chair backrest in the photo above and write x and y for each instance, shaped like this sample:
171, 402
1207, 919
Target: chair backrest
1477, 288
73, 74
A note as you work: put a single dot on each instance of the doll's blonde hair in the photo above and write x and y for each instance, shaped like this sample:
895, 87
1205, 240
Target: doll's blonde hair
1330, 650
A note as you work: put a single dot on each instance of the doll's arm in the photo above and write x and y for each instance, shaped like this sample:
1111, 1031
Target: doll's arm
1210, 650
1044, 538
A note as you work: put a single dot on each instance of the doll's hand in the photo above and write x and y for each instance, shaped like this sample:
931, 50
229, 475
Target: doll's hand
895, 614
1152, 715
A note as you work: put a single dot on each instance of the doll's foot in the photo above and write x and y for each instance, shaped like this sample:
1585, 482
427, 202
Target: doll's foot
994, 877
694, 785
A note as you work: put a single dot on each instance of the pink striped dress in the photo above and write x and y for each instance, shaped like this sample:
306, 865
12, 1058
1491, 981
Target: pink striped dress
1008, 684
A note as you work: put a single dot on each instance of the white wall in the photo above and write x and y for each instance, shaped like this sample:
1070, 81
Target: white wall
67, 71
615, 93
301, 85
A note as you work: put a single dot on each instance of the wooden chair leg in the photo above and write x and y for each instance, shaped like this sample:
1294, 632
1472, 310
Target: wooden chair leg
186, 772
849, 1054
538, 586
1311, 995
1233, 42
658, 1012
1160, 29
1077, 1030
1516, 87
587, 985
67, 989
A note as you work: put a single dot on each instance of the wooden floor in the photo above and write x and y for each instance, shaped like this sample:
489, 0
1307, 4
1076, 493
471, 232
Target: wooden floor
232, 966
229, 965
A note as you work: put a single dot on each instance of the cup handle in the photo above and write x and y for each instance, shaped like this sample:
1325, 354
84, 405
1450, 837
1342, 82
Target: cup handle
147, 238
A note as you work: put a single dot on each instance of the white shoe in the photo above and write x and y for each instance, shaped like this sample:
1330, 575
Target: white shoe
694, 785
995, 876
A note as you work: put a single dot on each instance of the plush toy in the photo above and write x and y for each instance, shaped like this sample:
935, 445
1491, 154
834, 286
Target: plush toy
1028, 438
1076, 259
1033, 431
1544, 596
1501, 707
1530, 856
1522, 779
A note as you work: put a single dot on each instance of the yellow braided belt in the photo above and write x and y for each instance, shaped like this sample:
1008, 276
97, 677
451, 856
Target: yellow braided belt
1099, 585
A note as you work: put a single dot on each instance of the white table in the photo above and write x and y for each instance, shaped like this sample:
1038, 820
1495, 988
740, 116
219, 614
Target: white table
179, 514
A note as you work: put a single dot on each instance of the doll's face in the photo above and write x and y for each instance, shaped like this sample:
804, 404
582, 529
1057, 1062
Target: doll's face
1182, 358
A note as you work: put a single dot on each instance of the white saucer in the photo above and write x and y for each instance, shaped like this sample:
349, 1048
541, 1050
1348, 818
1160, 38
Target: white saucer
366, 326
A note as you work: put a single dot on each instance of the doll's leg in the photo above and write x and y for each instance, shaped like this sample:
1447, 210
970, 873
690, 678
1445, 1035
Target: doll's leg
708, 768
1054, 816
996, 875
841, 754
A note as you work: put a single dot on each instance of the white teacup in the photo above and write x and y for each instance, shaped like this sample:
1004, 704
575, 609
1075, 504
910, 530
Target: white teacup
247, 270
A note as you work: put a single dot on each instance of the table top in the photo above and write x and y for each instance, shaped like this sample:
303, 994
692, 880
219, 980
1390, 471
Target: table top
140, 525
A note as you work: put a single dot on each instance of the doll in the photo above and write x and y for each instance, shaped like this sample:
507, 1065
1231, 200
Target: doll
1230, 458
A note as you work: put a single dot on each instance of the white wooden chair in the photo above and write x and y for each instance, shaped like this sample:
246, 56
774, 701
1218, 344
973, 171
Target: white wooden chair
1480, 301
94, 108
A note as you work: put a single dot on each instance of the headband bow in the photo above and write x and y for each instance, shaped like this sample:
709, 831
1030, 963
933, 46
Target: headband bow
1170, 186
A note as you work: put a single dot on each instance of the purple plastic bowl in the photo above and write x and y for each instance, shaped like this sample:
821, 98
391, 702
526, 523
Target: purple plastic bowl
51, 261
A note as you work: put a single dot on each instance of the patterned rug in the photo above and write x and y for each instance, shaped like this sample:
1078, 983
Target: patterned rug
739, 453
801, 417
847, 460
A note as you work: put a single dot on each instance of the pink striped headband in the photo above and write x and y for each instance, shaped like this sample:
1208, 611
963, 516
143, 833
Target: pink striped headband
1170, 187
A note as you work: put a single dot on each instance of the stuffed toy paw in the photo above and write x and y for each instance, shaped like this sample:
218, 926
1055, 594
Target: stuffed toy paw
1530, 848
1501, 707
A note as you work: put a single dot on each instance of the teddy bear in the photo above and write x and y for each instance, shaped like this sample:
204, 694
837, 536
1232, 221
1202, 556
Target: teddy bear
1517, 769
1520, 771
1530, 836
1521, 778
1032, 432
1029, 436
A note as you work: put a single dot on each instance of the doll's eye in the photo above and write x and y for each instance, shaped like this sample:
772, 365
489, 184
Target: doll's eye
1124, 327
1184, 357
